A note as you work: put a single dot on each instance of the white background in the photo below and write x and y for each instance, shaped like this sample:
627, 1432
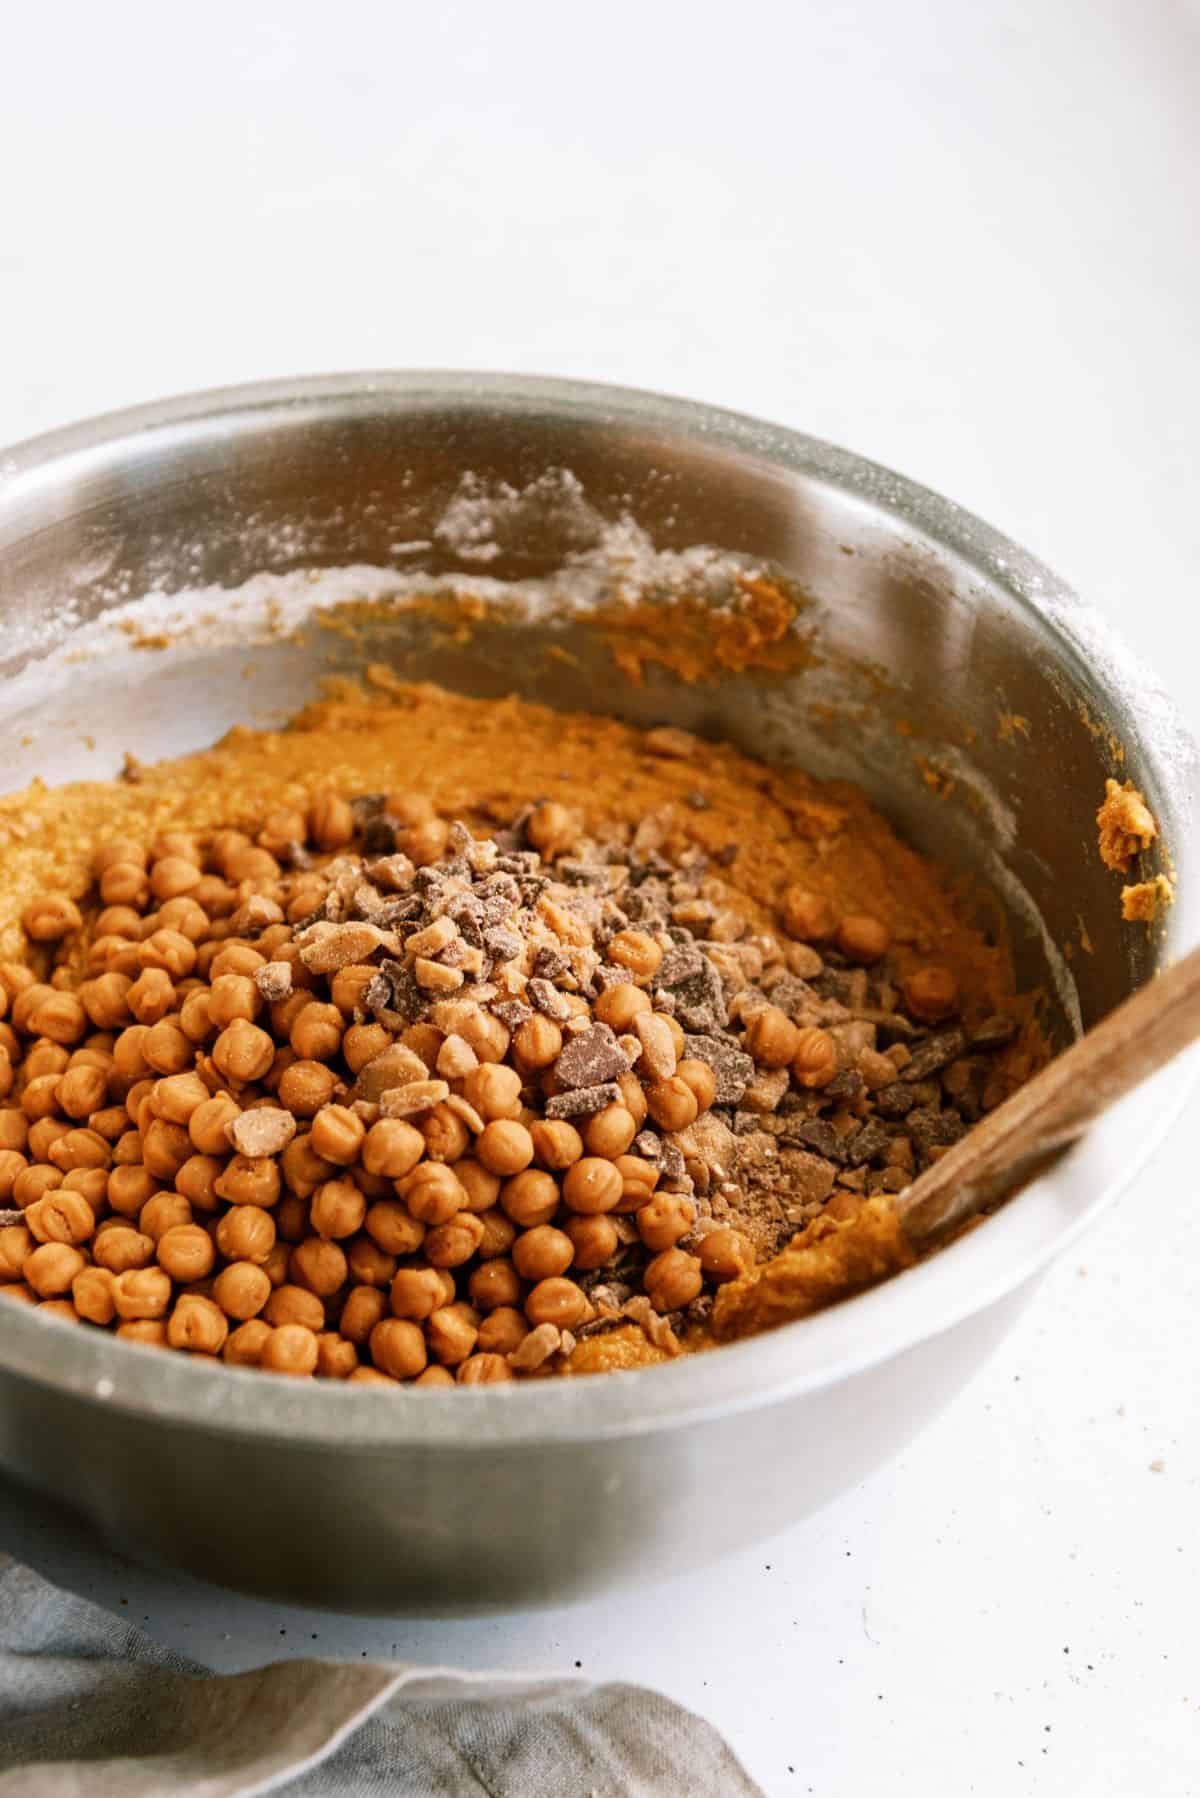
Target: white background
961, 238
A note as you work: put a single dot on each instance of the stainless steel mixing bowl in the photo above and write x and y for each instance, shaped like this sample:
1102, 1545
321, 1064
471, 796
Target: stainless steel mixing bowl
934, 635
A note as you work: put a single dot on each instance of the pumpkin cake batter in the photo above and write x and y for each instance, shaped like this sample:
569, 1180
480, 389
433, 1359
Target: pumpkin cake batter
725, 993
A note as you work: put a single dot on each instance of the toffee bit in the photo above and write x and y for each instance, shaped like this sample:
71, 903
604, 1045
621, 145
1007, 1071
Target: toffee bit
414, 1098
274, 980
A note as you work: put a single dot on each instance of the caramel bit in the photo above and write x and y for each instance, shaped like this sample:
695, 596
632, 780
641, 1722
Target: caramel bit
1126, 824
1140, 904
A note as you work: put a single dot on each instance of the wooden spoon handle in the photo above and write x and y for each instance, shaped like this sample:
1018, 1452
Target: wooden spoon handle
1057, 1105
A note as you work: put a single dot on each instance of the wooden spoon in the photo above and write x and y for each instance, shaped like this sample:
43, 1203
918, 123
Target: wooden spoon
1008, 1146
1011, 1143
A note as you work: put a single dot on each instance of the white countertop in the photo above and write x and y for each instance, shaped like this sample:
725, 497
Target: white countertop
960, 239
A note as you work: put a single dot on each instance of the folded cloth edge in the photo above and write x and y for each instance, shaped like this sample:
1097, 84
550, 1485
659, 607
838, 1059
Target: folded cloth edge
79, 1688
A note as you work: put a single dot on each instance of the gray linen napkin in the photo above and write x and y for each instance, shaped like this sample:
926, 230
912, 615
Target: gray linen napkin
91, 1708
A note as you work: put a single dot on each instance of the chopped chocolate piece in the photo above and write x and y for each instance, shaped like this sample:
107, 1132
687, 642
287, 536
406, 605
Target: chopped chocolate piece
647, 904
820, 1135
377, 995
845, 1087
648, 1145
691, 978
550, 964
927, 1092
791, 995
407, 997
931, 1129
671, 1160
378, 837
585, 1101
548, 1000
592, 1058
846, 985
894, 1101
934, 1054
889, 1025
698, 1019
465, 905
501, 884
367, 806
995, 1032
504, 944
582, 874
733, 1068
512, 1013
866, 1144
607, 975
466, 911
400, 911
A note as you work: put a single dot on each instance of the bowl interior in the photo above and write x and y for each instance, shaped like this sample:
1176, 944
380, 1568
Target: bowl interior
944, 671
978, 722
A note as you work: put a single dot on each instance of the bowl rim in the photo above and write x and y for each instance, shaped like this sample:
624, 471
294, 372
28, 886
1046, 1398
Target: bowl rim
975, 1272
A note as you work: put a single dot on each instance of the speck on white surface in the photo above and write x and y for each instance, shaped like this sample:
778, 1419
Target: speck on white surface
958, 238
